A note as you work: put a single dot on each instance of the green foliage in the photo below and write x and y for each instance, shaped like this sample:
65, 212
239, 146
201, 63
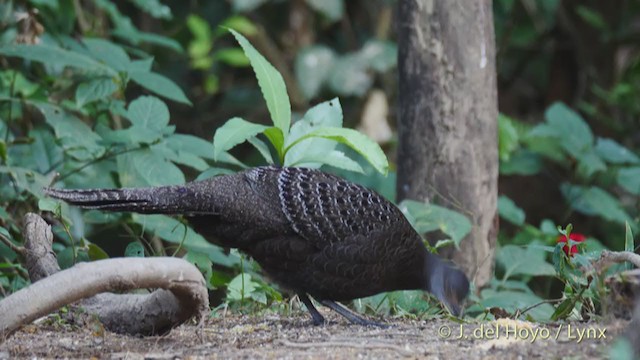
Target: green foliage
92, 137
318, 67
430, 217
509, 211
565, 139
134, 249
271, 83
202, 53
321, 123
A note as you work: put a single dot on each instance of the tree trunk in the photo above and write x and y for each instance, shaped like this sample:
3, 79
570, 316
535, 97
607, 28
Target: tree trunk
448, 146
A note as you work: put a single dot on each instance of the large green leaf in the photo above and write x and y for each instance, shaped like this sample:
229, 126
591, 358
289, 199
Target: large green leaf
192, 144
326, 114
182, 157
27, 179
589, 163
234, 132
77, 137
262, 148
160, 85
147, 167
512, 301
98, 88
271, 84
108, 53
528, 260
430, 217
241, 287
148, 112
44, 152
522, 162
568, 128
629, 179
334, 158
136, 37
359, 142
594, 201
53, 55
509, 211
214, 171
614, 153
133, 135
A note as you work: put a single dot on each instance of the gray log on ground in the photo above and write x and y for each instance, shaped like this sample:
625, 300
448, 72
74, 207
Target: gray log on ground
181, 292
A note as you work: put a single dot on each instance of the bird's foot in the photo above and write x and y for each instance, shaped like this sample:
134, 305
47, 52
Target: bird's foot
353, 318
316, 317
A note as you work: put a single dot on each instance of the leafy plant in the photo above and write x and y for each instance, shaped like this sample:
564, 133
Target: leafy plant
566, 140
310, 142
72, 127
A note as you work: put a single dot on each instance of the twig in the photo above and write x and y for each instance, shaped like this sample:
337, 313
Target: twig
17, 249
371, 344
548, 301
609, 257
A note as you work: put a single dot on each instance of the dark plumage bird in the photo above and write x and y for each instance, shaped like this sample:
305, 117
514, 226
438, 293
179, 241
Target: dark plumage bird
313, 233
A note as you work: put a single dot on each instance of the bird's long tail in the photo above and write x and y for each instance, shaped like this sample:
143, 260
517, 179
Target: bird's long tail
151, 200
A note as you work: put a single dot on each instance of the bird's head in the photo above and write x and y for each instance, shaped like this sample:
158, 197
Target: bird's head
447, 283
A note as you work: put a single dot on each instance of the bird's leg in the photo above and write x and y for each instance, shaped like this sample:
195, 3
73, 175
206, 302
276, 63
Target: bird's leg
318, 319
355, 319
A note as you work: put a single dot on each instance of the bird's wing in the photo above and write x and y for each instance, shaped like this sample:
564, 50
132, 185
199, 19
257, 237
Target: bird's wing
324, 207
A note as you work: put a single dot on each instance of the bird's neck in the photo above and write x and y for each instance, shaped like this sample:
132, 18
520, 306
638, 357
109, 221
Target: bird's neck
432, 272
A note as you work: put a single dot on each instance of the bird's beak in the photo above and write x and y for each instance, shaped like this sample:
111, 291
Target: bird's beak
453, 306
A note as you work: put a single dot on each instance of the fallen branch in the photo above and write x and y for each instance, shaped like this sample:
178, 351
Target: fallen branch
182, 292
610, 257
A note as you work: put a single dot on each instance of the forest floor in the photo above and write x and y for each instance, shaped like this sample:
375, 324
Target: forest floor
293, 337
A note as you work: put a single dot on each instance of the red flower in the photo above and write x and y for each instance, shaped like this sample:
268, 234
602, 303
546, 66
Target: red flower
575, 237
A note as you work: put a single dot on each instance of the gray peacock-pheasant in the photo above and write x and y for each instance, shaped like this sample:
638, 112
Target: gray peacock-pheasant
313, 233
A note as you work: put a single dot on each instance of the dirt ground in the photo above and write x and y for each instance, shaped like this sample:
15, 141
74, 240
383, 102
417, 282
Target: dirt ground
293, 337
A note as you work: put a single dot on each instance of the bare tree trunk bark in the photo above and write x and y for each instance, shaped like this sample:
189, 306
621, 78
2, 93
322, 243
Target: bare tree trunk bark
448, 146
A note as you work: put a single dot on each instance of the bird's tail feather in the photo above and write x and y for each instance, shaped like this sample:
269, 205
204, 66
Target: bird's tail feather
153, 200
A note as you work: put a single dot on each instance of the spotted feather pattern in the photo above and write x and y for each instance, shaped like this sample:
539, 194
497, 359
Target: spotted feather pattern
322, 207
